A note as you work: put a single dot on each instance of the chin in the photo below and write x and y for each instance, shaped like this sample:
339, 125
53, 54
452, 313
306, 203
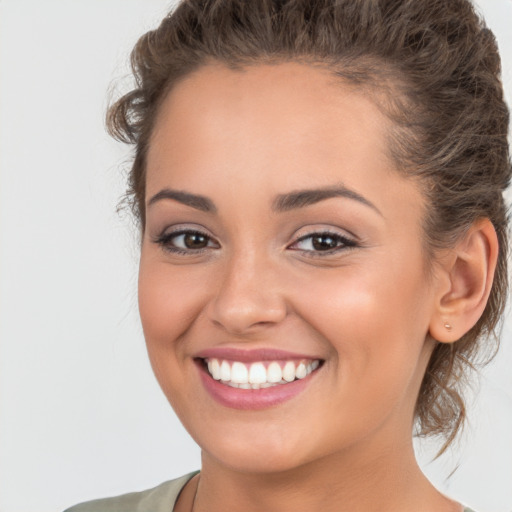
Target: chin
256, 452
255, 462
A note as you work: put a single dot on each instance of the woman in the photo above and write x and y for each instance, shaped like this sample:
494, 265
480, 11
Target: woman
323, 242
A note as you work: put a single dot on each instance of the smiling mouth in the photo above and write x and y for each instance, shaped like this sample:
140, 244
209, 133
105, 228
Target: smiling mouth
260, 374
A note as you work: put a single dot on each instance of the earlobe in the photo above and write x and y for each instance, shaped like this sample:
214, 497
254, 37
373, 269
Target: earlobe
465, 283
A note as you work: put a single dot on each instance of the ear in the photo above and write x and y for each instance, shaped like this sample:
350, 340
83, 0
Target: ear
464, 282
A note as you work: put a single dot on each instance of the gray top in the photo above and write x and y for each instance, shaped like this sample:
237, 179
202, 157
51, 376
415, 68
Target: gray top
159, 499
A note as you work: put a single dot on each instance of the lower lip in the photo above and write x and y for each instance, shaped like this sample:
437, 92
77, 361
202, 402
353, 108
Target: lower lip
252, 399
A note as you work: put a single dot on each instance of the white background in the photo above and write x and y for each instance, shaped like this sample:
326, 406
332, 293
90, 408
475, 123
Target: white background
81, 415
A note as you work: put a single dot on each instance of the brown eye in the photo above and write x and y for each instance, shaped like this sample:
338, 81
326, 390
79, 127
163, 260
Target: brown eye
324, 242
195, 240
186, 242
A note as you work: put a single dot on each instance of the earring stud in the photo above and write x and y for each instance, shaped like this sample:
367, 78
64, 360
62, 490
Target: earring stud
447, 326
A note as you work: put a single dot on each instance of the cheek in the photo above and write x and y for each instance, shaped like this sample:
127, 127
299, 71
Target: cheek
375, 322
169, 303
169, 300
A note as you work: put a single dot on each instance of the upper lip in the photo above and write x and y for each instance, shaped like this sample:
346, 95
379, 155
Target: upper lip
251, 356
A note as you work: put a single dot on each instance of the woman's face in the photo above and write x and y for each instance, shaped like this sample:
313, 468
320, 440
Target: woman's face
282, 245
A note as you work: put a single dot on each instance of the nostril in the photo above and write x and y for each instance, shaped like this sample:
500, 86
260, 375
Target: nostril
242, 316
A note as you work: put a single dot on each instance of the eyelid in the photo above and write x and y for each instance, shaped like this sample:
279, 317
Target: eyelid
184, 228
348, 242
344, 240
166, 235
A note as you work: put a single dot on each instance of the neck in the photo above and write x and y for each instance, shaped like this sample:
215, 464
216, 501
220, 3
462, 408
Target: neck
385, 480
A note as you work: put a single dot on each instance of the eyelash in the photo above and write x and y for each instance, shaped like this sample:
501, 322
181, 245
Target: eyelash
343, 243
165, 240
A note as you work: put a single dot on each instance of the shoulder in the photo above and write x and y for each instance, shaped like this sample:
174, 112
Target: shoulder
158, 499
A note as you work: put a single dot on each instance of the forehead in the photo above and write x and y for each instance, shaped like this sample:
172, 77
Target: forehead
290, 93
269, 128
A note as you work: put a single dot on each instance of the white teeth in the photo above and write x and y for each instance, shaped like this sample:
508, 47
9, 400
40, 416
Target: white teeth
289, 371
256, 375
225, 371
214, 368
274, 373
301, 371
239, 373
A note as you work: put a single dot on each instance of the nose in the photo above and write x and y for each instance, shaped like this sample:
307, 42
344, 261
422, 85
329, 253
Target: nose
249, 296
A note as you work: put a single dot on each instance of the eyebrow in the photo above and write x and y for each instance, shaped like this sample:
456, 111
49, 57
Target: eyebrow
302, 198
198, 202
282, 203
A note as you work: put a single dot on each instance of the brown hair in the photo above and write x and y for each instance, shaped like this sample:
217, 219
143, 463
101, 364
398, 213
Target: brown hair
436, 66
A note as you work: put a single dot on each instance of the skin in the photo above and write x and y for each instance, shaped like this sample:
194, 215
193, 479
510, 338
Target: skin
241, 139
